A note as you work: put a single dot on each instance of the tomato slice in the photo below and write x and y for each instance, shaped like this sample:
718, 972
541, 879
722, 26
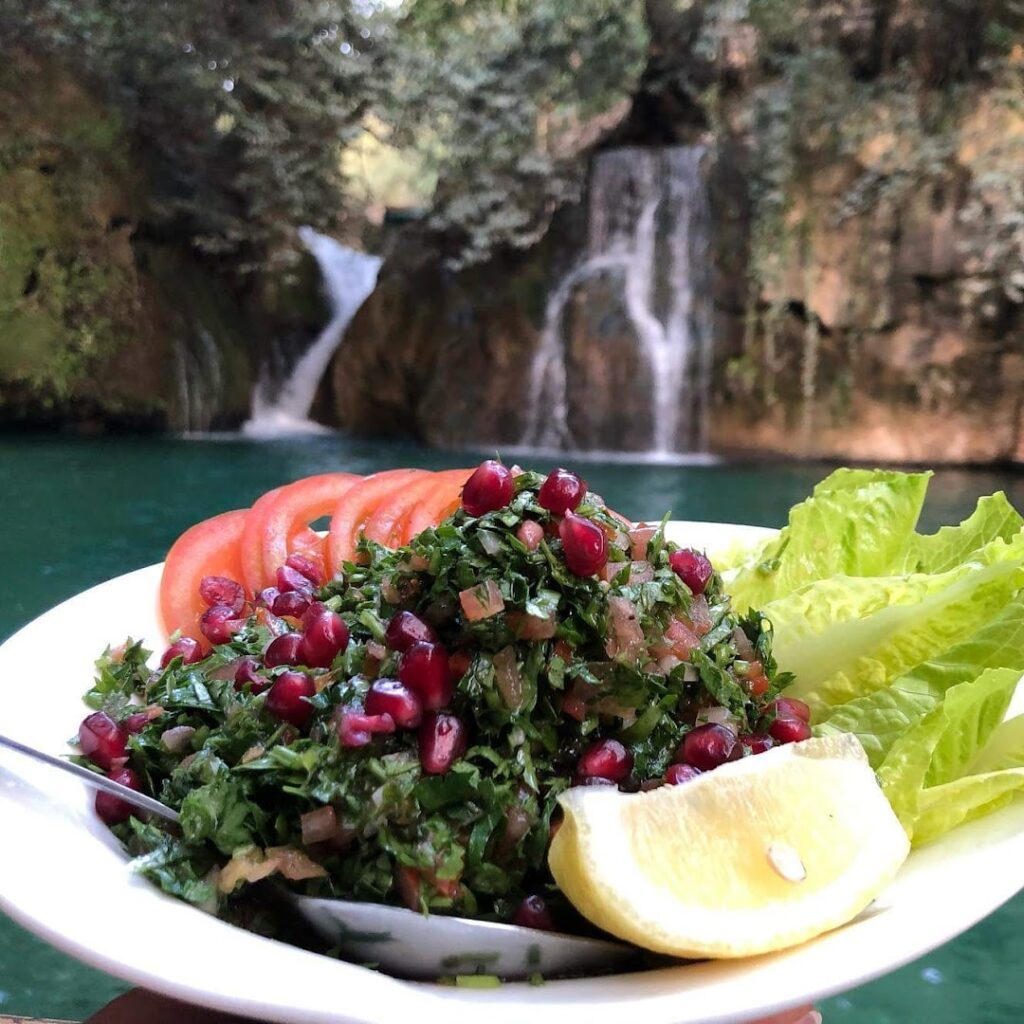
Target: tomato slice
252, 543
436, 506
357, 506
387, 523
210, 548
286, 519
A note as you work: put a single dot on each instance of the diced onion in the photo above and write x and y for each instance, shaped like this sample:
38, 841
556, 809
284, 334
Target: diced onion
177, 739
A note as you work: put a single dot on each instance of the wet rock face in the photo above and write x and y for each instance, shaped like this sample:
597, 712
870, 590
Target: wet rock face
863, 181
98, 328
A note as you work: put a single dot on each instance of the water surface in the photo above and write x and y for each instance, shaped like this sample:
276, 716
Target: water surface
76, 512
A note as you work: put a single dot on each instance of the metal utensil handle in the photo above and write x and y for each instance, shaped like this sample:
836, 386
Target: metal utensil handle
96, 781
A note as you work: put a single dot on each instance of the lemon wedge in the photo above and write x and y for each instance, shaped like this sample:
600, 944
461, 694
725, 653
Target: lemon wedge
758, 855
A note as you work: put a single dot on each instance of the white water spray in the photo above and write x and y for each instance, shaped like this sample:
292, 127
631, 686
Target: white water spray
349, 278
648, 224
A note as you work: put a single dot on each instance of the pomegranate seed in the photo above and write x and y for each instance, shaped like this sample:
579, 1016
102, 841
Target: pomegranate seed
291, 579
247, 674
216, 590
424, 669
267, 596
219, 624
442, 742
584, 545
406, 629
292, 603
284, 650
530, 534
185, 648
677, 773
307, 567
102, 740
605, 759
561, 492
325, 638
757, 743
134, 724
489, 488
593, 780
790, 707
789, 730
708, 746
286, 698
533, 912
356, 730
391, 697
692, 568
112, 810
458, 665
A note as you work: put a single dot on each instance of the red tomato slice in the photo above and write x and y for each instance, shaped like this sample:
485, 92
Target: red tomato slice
356, 506
210, 548
387, 524
252, 543
436, 507
286, 520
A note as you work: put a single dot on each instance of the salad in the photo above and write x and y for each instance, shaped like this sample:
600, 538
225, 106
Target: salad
395, 713
401, 732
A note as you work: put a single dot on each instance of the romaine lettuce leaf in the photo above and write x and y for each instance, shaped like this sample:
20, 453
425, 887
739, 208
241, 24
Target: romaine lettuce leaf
880, 718
944, 807
993, 518
857, 522
846, 637
934, 753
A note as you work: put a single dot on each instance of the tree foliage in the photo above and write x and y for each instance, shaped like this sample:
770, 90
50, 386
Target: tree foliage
243, 108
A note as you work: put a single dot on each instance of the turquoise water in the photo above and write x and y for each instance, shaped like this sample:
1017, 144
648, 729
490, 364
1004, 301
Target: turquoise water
76, 512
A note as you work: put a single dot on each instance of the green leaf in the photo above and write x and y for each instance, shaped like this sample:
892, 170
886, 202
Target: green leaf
878, 719
846, 637
937, 750
993, 518
856, 523
973, 796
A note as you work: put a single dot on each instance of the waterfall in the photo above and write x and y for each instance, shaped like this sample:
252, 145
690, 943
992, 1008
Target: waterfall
349, 278
648, 223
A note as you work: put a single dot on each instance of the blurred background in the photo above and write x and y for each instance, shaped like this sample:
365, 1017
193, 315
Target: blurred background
705, 247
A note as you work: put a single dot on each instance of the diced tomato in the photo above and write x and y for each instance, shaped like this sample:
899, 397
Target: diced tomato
210, 548
436, 506
481, 601
355, 506
281, 524
390, 518
680, 640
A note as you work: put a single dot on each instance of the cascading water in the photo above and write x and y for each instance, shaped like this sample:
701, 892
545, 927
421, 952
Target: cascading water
648, 223
349, 278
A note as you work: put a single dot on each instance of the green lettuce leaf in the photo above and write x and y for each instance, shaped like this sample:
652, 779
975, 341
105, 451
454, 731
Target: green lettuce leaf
878, 719
931, 756
857, 522
1005, 749
846, 637
973, 796
993, 518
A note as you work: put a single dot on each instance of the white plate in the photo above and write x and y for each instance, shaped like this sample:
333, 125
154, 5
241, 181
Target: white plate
64, 878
